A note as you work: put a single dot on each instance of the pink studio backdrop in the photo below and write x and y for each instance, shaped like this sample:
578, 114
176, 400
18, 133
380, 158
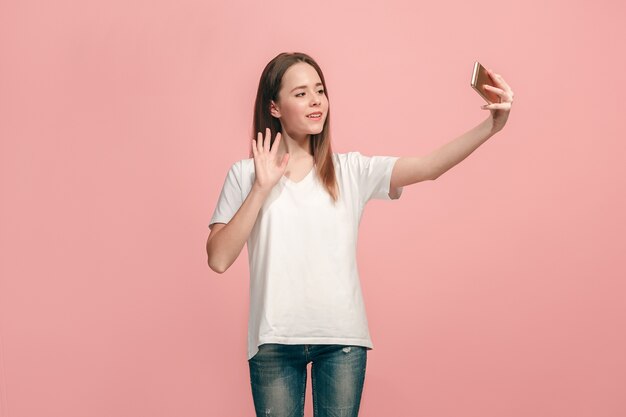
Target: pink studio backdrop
496, 290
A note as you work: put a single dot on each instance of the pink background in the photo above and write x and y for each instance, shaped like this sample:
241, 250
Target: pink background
496, 290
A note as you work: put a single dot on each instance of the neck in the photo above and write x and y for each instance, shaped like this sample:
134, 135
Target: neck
297, 148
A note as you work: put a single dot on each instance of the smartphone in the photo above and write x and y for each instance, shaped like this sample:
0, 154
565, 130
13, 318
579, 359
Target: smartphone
480, 76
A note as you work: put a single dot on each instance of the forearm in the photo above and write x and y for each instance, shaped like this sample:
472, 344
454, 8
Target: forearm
444, 158
224, 248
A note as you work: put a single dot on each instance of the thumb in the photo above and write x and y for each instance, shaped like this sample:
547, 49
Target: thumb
283, 163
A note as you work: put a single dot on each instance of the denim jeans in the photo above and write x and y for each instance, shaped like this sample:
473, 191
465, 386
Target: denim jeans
278, 374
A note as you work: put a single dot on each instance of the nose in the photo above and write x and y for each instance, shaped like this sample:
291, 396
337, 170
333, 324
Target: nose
316, 100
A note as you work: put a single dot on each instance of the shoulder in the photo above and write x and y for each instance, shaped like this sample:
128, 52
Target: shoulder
353, 161
242, 166
246, 165
348, 158
243, 163
240, 174
245, 173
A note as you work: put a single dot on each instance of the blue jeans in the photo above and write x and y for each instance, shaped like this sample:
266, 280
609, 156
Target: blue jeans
278, 374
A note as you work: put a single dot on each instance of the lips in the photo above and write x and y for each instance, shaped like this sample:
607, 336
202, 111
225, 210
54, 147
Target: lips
316, 114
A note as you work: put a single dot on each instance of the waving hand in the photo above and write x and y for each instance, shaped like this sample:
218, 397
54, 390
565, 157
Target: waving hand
268, 169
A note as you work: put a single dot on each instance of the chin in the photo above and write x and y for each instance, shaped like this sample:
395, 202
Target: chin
317, 131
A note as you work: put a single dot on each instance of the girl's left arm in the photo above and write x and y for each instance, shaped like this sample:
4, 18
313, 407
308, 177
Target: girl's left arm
411, 170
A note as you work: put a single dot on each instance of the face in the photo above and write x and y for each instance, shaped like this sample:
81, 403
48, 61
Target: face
301, 94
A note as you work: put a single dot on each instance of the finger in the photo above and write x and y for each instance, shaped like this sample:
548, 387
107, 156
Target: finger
268, 137
497, 106
275, 145
499, 92
497, 78
259, 142
502, 95
501, 80
505, 95
254, 151
496, 90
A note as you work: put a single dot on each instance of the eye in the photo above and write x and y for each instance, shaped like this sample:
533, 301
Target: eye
319, 91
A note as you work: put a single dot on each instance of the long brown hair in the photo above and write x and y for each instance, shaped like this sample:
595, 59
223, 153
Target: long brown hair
269, 86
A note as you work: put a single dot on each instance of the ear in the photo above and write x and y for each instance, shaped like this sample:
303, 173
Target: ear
274, 110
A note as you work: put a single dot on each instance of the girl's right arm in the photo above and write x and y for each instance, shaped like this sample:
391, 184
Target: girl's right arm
226, 241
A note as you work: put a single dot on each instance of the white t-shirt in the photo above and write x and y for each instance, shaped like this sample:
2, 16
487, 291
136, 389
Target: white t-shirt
304, 280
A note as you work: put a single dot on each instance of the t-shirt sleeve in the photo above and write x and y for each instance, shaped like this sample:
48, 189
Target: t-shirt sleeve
231, 196
374, 177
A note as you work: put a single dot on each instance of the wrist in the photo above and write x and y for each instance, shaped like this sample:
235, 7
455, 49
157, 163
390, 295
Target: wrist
491, 125
260, 189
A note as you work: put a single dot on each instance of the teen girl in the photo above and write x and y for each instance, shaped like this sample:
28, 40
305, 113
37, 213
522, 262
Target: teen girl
298, 204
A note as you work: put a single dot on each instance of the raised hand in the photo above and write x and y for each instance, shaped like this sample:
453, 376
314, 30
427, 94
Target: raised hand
499, 111
268, 169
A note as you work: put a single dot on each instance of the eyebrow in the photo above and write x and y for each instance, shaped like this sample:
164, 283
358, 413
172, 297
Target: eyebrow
302, 86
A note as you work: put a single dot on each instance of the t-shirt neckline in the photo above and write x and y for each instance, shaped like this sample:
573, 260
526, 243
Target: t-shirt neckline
292, 183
